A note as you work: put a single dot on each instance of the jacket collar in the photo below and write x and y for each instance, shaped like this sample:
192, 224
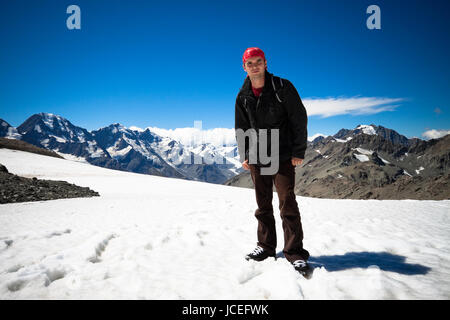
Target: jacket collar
247, 86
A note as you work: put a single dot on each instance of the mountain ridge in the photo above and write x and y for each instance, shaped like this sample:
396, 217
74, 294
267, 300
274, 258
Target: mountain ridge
366, 162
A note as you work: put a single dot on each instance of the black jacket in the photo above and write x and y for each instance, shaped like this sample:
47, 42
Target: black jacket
267, 112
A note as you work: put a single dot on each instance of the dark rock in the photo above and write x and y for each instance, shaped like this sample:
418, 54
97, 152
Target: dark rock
14, 188
3, 168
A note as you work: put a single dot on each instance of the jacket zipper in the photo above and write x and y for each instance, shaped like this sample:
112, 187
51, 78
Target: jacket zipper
257, 102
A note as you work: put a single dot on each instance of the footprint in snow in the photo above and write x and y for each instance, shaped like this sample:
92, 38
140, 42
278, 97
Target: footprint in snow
100, 248
58, 233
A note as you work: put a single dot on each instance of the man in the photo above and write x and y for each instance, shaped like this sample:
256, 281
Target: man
269, 102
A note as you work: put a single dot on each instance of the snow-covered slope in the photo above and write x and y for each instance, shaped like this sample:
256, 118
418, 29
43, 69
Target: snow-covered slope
162, 238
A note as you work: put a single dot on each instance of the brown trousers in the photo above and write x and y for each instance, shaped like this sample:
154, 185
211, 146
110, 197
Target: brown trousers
284, 181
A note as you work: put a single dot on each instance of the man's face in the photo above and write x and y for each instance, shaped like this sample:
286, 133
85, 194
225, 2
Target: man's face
255, 66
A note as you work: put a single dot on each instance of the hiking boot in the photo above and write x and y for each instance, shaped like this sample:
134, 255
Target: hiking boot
303, 268
259, 254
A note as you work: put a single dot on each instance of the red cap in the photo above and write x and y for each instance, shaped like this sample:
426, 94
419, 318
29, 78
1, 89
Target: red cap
253, 52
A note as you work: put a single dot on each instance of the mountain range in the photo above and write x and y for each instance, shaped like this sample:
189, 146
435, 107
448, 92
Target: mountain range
371, 162
118, 147
367, 162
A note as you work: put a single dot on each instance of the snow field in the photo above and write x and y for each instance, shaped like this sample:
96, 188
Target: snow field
149, 237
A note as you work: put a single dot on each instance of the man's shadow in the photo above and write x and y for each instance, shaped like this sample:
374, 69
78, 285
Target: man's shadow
383, 260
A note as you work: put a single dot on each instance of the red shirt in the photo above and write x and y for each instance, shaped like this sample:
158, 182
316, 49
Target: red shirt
257, 91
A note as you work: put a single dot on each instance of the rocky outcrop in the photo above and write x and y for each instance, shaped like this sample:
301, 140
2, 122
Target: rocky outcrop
14, 188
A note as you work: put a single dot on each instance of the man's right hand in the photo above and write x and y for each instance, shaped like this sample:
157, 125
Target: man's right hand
245, 165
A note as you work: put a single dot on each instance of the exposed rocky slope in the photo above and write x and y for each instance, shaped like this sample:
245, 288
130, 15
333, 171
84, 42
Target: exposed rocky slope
15, 144
371, 162
14, 188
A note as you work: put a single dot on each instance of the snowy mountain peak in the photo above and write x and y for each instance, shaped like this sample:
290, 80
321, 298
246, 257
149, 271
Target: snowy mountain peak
50, 120
50, 115
56, 133
117, 127
367, 129
151, 137
8, 131
51, 125
317, 135
344, 135
114, 128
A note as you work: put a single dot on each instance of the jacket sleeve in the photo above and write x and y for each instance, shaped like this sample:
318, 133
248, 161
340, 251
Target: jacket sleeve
298, 120
241, 122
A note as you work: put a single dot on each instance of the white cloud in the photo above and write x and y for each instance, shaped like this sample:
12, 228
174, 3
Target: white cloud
134, 128
328, 107
195, 136
435, 134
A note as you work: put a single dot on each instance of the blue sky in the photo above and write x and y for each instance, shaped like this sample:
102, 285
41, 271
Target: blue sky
167, 64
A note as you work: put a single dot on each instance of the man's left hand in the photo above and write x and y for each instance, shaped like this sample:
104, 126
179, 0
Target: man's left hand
296, 161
